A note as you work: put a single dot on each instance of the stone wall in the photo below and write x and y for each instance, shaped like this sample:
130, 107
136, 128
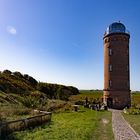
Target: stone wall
22, 124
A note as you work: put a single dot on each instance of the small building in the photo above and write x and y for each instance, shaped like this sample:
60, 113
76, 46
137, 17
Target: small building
116, 67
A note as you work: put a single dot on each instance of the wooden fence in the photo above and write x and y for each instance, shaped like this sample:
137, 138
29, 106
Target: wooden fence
22, 124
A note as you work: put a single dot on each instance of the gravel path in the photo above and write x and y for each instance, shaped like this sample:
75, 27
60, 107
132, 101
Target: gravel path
122, 130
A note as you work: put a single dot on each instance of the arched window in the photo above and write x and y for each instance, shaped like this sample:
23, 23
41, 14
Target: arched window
127, 51
110, 51
110, 67
127, 68
110, 83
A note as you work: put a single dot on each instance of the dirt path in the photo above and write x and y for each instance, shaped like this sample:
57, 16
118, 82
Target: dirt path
122, 130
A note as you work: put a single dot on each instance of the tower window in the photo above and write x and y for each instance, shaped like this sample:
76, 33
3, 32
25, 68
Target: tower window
124, 38
127, 68
110, 51
127, 83
110, 67
127, 51
110, 83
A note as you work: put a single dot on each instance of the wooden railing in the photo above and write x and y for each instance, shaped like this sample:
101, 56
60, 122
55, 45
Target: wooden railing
22, 124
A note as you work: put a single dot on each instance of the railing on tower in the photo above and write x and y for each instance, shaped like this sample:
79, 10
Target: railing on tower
109, 32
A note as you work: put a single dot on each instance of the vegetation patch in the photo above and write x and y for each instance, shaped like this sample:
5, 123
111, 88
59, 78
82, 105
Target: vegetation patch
135, 99
85, 124
134, 121
103, 129
25, 85
135, 104
92, 96
13, 112
132, 115
132, 111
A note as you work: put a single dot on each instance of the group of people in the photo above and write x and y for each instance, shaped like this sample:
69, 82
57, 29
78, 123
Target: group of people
94, 106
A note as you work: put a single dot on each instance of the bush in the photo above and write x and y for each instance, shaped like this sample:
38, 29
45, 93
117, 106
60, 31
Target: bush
7, 72
15, 82
2, 117
30, 101
58, 106
133, 111
79, 102
55, 91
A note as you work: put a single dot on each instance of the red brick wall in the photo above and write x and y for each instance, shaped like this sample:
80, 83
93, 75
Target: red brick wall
120, 87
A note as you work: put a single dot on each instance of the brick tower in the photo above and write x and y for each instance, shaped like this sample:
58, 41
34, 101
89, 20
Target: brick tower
116, 66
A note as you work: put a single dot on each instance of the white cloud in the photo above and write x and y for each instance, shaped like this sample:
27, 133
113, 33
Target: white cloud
11, 30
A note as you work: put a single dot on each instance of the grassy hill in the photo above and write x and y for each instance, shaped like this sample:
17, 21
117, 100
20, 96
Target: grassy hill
21, 93
23, 84
15, 82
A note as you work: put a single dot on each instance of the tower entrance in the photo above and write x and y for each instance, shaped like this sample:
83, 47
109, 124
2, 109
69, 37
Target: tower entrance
110, 102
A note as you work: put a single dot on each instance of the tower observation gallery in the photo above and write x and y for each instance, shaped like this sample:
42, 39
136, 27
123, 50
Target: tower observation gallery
116, 66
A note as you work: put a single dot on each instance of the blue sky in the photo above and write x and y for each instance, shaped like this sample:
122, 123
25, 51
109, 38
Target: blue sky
61, 41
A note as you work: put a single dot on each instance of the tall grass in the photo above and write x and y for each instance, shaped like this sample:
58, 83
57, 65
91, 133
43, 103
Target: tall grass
12, 112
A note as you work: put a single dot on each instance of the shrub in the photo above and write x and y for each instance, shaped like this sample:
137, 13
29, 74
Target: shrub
133, 111
55, 91
2, 117
7, 72
58, 106
79, 102
30, 101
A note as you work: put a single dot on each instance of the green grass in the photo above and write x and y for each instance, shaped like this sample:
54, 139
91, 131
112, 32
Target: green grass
135, 99
134, 121
83, 125
90, 94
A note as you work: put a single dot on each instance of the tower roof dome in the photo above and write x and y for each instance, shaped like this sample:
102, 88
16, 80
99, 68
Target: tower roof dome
116, 27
